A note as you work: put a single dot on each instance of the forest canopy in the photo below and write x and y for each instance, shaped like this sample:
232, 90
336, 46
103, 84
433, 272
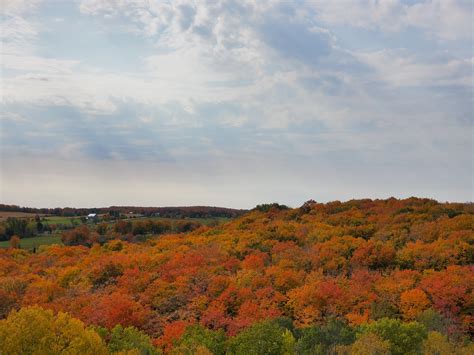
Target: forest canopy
358, 277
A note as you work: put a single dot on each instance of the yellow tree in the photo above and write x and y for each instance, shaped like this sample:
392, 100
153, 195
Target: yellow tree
34, 330
437, 344
15, 242
370, 344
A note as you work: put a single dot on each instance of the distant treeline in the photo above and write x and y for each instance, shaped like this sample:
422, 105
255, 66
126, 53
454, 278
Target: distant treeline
171, 212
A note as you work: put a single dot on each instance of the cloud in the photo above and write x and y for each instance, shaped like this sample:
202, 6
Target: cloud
267, 93
35, 64
16, 34
361, 13
16, 7
446, 19
231, 52
401, 68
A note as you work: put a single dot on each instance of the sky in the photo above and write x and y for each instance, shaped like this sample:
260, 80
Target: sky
234, 103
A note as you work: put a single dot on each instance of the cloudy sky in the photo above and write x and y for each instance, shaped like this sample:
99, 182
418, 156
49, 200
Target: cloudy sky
235, 103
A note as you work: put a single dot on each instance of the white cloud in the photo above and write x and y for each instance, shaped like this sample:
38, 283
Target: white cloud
399, 68
15, 32
16, 7
384, 14
446, 19
202, 57
223, 29
35, 64
240, 91
215, 54
16, 35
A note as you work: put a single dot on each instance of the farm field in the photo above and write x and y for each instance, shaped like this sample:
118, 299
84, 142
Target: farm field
62, 220
35, 242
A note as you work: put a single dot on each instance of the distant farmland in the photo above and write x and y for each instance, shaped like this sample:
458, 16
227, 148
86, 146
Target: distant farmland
35, 242
66, 223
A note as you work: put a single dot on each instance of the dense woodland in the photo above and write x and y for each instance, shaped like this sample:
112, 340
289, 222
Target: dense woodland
359, 277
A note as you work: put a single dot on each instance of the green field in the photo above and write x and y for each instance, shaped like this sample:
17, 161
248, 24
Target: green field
30, 243
62, 220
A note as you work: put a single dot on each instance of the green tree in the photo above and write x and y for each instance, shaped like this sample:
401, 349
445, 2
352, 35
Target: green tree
130, 338
102, 228
31, 229
15, 226
289, 342
321, 340
34, 330
404, 338
139, 228
265, 207
433, 321
265, 338
195, 337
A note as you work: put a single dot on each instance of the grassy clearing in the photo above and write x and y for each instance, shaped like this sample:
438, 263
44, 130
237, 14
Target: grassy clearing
30, 243
62, 220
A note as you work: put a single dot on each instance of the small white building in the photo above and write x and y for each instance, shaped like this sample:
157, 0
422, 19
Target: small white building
92, 216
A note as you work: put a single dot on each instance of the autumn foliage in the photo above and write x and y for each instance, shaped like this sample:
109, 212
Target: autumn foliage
362, 267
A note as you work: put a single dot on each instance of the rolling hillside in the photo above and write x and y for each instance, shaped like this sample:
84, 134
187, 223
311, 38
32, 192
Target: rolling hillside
393, 276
